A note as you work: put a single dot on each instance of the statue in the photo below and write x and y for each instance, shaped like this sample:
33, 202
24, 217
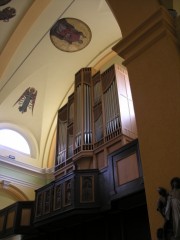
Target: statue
169, 207
164, 233
162, 202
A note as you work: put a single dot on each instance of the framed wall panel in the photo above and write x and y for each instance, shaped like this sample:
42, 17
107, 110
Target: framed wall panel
57, 197
125, 171
25, 217
2, 222
10, 219
86, 189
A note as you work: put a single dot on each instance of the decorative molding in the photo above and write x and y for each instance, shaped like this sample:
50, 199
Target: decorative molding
44, 175
12, 190
157, 26
26, 167
7, 181
5, 184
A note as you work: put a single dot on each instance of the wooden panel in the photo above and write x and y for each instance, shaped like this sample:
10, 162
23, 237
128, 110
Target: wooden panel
101, 160
87, 75
125, 115
86, 189
71, 108
2, 218
121, 83
10, 220
133, 134
39, 204
25, 217
70, 142
77, 78
57, 197
67, 193
127, 169
47, 201
125, 102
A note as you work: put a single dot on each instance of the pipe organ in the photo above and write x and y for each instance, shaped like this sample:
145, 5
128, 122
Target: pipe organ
97, 163
97, 119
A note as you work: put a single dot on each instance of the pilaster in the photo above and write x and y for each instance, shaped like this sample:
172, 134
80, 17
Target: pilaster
151, 55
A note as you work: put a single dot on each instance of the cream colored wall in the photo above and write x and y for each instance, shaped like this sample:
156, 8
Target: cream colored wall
21, 32
176, 5
19, 183
6, 198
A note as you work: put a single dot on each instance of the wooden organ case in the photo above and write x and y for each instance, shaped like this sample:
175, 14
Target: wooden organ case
97, 120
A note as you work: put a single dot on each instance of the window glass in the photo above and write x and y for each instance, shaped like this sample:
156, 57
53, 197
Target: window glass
14, 140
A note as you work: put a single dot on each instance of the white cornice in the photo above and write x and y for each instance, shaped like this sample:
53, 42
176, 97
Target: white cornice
32, 170
16, 181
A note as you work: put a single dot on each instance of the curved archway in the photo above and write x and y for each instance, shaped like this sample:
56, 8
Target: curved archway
10, 194
26, 134
14, 140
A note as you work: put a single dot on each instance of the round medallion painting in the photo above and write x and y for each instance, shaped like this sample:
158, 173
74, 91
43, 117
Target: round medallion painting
70, 34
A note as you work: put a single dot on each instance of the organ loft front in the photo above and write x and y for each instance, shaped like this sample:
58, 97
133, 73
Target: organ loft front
97, 173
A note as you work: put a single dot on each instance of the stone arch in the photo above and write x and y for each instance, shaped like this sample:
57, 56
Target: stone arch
10, 194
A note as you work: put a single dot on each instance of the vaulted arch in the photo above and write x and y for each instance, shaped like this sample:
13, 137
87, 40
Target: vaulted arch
9, 194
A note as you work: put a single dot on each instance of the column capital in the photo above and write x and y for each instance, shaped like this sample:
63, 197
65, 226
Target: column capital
159, 25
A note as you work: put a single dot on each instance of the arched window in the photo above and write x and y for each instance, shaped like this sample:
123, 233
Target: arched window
14, 140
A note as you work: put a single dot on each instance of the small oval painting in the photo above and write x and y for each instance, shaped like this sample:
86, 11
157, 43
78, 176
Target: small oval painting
70, 34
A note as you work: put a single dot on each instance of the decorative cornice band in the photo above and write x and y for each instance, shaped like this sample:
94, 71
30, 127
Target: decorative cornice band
12, 163
157, 26
8, 180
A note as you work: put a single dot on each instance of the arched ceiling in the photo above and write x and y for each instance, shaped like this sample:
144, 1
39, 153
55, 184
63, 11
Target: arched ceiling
29, 60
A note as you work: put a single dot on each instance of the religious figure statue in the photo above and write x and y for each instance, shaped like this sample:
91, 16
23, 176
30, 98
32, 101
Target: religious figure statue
162, 202
169, 207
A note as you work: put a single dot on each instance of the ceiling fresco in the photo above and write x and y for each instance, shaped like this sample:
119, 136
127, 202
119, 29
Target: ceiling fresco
70, 34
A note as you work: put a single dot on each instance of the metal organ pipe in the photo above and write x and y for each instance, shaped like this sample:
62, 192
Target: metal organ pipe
63, 139
78, 119
87, 114
117, 110
111, 103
